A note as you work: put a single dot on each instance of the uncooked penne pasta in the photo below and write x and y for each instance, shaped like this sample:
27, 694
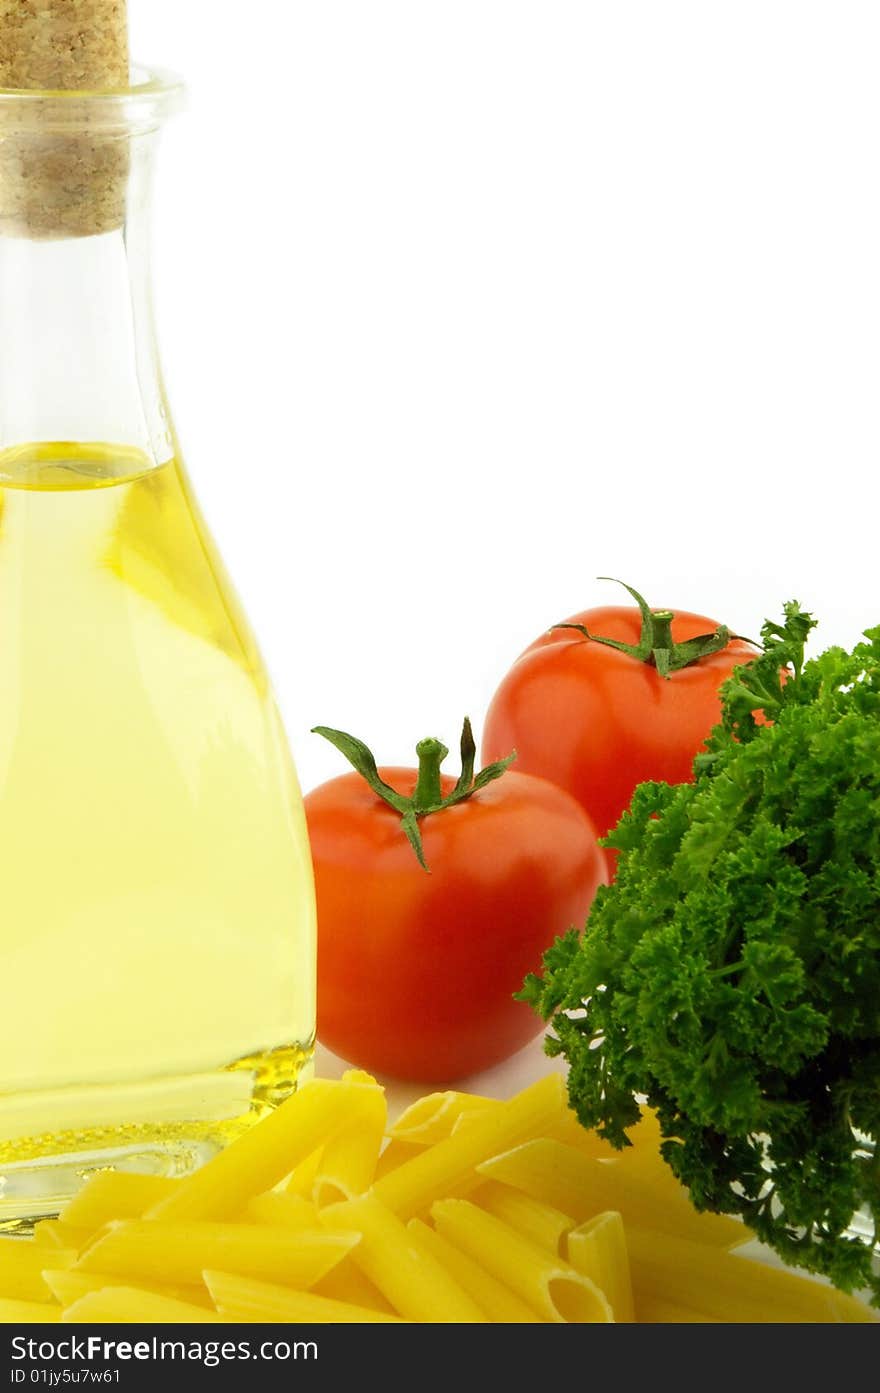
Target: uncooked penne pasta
644, 1136
472, 1210
43, 1234
394, 1154
68, 1286
348, 1162
532, 1218
302, 1179
448, 1168
282, 1211
433, 1118
242, 1298
52, 1233
645, 1140
598, 1250
667, 1313
112, 1195
566, 1129
14, 1312
124, 1305
496, 1301
646, 1172
348, 1284
179, 1253
570, 1131
417, 1286
261, 1157
581, 1186
21, 1268
544, 1282
730, 1288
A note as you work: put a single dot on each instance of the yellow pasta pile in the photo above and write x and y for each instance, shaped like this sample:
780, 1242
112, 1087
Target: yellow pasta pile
466, 1209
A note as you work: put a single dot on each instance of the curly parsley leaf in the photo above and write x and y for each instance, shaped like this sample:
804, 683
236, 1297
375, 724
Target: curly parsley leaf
731, 975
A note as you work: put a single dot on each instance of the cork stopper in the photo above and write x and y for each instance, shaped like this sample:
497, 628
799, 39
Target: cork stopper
62, 182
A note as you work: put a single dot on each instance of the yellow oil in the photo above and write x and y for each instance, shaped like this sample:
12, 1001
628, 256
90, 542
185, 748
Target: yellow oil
157, 935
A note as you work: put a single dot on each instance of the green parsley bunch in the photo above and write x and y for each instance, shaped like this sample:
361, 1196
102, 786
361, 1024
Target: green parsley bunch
731, 974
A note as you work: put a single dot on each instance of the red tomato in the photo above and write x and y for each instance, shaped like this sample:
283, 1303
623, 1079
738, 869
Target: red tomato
597, 721
416, 969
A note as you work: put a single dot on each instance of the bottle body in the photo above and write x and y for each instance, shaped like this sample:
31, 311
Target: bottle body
157, 932
158, 928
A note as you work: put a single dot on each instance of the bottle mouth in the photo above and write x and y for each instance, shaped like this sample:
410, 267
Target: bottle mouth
151, 98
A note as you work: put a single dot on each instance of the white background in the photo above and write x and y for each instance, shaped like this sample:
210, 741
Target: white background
463, 304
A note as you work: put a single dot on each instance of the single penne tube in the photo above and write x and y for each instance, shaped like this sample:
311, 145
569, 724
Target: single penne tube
348, 1162
13, 1312
261, 1157
544, 1225
727, 1287
301, 1181
44, 1234
498, 1303
135, 1305
567, 1129
68, 1286
667, 1313
179, 1253
448, 1168
242, 1298
416, 1285
432, 1118
52, 1233
393, 1154
644, 1167
570, 1131
585, 1139
112, 1195
282, 1211
644, 1136
553, 1290
348, 1284
643, 1161
598, 1250
581, 1186
21, 1268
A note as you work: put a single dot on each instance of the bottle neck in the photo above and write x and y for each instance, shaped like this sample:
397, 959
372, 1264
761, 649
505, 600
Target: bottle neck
78, 357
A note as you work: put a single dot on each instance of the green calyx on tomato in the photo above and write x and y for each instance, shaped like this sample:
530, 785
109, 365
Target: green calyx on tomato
599, 717
416, 972
656, 644
427, 797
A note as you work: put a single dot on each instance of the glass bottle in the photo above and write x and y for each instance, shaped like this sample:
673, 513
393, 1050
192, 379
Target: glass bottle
157, 938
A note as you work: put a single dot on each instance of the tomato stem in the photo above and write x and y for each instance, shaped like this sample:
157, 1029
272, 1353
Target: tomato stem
427, 797
662, 642
656, 645
429, 788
